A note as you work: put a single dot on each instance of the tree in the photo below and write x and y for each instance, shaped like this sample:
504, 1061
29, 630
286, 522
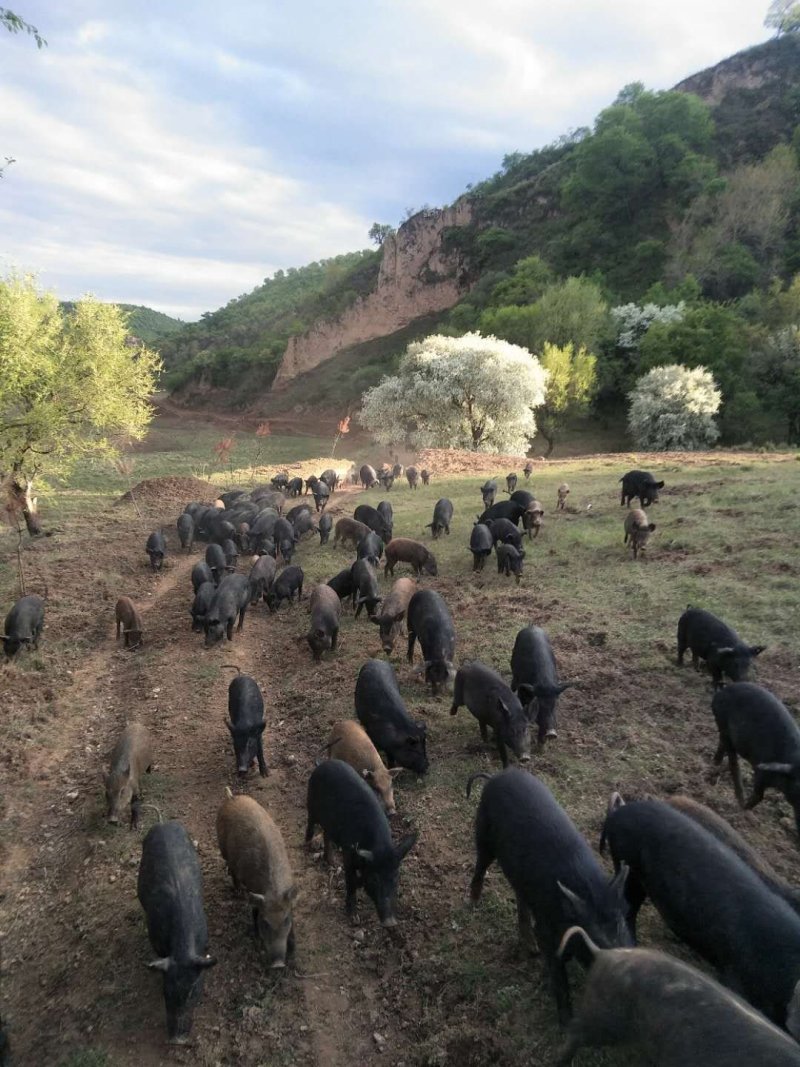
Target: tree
14, 24
568, 312
379, 231
783, 16
778, 366
572, 378
70, 387
458, 392
674, 408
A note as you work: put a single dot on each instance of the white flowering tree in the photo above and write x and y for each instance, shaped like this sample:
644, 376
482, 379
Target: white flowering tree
673, 408
469, 392
633, 322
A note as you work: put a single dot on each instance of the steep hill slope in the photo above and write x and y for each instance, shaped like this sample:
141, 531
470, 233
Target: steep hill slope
145, 323
611, 203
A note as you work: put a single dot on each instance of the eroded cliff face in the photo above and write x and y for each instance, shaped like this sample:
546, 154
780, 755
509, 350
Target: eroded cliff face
416, 278
751, 69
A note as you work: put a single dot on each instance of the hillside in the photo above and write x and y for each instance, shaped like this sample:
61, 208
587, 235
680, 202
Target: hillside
145, 323
689, 195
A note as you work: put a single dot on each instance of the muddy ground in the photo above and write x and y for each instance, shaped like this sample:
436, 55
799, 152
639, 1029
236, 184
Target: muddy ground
451, 987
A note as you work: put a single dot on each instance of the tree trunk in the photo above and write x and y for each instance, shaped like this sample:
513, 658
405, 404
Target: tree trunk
23, 500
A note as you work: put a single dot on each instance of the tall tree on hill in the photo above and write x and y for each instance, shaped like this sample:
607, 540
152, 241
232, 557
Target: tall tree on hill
783, 16
70, 388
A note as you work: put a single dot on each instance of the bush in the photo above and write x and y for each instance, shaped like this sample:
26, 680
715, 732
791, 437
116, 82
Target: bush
674, 408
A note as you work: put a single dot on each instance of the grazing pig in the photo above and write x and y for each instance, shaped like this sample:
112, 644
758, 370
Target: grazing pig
288, 583
425, 476
382, 713
412, 474
365, 587
294, 487
667, 1012
480, 545
156, 548
186, 531
375, 519
641, 484
231, 554
261, 577
23, 625
494, 705
263, 530
280, 481
563, 493
368, 476
712, 901
555, 876
509, 561
404, 550
215, 558
505, 532
129, 622
397, 470
505, 509
527, 470
349, 742
257, 861
330, 478
370, 548
326, 611
386, 512
230, 600
488, 492
311, 483
324, 527
511, 483
532, 518
710, 639
638, 530
534, 675
442, 517
246, 726
201, 573
349, 530
229, 499
753, 724
351, 817
170, 891
303, 524
342, 584
429, 621
131, 757
386, 478
203, 599
522, 497
293, 513
724, 832
393, 611
284, 536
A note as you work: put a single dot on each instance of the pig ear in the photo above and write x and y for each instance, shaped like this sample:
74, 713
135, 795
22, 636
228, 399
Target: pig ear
404, 847
526, 691
651, 527
229, 725
659, 485
617, 883
394, 771
159, 965
756, 650
725, 651
374, 619
503, 709
576, 902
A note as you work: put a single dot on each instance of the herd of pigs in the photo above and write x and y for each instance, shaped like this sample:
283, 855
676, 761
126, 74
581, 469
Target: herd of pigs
711, 888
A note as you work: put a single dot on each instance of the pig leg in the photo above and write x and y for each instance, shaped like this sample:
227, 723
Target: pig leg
119, 627
135, 809
558, 978
327, 850
229, 629
263, 770
241, 617
501, 748
525, 926
309, 829
635, 894
411, 639
351, 883
758, 791
484, 730
736, 775
334, 639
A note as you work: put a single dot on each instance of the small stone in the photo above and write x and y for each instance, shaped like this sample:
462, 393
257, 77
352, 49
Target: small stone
112, 878
358, 936
73, 795
379, 1040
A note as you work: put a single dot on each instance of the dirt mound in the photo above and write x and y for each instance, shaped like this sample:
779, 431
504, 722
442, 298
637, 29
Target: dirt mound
169, 491
456, 461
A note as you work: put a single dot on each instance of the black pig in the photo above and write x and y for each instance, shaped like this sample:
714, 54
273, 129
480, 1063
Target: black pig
429, 621
288, 583
382, 713
246, 711
712, 640
494, 705
534, 676
156, 548
23, 625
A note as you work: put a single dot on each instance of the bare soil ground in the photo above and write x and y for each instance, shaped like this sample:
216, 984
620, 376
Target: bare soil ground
452, 986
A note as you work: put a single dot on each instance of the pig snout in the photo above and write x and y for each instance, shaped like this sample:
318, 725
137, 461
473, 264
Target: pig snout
551, 733
525, 757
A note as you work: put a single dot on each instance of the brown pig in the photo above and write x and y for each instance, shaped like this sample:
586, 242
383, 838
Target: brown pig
393, 611
638, 529
131, 757
349, 742
347, 529
563, 493
253, 849
404, 550
532, 518
129, 621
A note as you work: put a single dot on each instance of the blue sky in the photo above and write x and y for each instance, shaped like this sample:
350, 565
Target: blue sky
176, 153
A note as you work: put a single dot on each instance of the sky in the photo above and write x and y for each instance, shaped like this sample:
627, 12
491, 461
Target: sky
175, 153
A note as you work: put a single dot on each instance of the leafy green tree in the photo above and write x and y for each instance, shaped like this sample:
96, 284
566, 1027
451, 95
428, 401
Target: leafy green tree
528, 281
783, 16
14, 24
571, 382
458, 392
568, 312
70, 387
379, 231
673, 408
778, 367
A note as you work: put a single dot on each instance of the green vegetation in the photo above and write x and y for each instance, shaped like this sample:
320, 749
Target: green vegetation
70, 387
144, 323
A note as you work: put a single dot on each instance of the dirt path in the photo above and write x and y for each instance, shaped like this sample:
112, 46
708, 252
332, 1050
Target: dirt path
74, 931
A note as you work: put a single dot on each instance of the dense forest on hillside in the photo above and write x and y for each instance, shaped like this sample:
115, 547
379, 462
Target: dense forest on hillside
145, 323
670, 232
